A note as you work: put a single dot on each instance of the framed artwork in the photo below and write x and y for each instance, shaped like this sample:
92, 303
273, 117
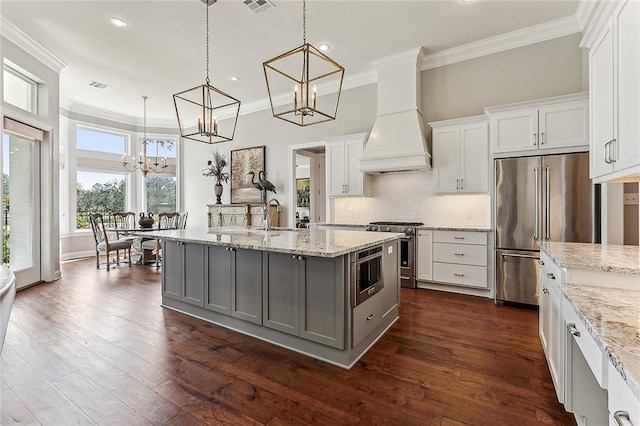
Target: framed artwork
244, 161
303, 191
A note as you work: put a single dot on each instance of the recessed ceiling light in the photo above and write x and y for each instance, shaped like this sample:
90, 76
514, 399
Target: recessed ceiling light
118, 22
324, 47
234, 78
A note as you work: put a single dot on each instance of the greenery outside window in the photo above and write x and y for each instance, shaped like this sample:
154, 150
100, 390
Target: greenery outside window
161, 193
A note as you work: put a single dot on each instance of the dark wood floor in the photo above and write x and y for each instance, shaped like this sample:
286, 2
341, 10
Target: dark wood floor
96, 347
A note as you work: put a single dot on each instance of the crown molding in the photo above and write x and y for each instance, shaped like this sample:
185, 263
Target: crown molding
595, 18
407, 56
584, 12
524, 37
29, 45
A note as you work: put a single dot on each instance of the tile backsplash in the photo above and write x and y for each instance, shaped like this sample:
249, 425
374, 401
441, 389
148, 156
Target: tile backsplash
410, 197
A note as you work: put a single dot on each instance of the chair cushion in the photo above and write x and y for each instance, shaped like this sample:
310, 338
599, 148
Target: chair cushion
115, 245
149, 244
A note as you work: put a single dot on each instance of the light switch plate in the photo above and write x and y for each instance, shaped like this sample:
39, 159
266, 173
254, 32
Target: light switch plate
390, 250
630, 199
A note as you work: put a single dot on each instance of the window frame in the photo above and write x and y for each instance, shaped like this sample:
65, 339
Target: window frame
33, 84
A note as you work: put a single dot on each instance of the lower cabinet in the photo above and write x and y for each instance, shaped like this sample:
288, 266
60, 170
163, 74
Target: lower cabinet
623, 404
460, 258
424, 255
184, 272
367, 316
301, 299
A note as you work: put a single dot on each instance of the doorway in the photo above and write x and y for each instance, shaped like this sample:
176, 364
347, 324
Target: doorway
21, 205
309, 183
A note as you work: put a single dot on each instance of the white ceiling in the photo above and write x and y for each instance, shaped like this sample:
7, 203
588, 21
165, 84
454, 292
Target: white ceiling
162, 51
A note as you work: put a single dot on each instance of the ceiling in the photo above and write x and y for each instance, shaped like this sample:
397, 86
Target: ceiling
162, 50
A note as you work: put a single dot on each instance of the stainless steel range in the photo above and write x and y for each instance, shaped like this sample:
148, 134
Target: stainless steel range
407, 247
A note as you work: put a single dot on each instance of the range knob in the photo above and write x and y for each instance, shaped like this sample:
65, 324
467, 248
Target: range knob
371, 228
388, 229
410, 230
402, 229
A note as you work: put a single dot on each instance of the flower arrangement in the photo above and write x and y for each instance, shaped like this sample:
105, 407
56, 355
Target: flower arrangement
215, 168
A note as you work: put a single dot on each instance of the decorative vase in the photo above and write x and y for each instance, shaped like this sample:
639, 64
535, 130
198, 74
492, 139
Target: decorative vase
146, 221
217, 189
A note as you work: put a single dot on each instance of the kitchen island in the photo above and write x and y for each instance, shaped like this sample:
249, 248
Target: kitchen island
293, 288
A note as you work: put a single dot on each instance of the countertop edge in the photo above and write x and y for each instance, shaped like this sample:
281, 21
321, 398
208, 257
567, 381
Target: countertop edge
607, 350
586, 265
453, 228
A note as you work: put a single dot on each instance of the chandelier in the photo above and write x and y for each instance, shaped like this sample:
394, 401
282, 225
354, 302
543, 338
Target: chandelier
302, 74
200, 108
144, 163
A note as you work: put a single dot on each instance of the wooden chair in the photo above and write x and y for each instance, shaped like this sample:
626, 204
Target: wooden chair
103, 245
182, 219
165, 221
124, 223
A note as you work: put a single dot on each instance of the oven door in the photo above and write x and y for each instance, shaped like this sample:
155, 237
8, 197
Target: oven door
407, 262
366, 274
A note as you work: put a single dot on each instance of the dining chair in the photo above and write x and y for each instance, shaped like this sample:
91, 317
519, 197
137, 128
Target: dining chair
125, 223
168, 220
103, 245
182, 219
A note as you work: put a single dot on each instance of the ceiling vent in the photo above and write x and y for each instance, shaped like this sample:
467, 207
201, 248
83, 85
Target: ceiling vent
98, 85
258, 6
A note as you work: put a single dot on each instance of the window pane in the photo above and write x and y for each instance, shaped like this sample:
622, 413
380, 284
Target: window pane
98, 193
161, 194
161, 148
95, 140
19, 90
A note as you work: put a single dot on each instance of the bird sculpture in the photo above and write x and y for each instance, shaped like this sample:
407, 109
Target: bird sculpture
253, 181
268, 186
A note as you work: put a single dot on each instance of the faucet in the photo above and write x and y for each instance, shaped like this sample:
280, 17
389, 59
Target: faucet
265, 217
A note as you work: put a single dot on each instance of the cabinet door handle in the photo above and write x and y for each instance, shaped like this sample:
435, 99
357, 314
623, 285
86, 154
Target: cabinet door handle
300, 258
550, 275
461, 183
573, 330
346, 190
458, 275
545, 291
457, 183
606, 153
622, 418
459, 254
541, 138
613, 156
232, 249
458, 238
535, 139
370, 317
541, 262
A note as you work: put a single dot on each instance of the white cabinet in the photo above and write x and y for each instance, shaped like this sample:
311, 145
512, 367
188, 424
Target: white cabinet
614, 66
344, 178
460, 155
559, 122
425, 255
460, 258
551, 322
623, 405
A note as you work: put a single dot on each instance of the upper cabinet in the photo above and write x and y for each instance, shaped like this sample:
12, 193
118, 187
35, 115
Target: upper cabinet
559, 122
460, 155
614, 66
344, 178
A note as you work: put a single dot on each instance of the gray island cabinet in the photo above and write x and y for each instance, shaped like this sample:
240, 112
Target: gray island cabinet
295, 289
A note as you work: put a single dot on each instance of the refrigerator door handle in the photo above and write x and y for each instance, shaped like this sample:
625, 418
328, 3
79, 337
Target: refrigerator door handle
547, 207
535, 203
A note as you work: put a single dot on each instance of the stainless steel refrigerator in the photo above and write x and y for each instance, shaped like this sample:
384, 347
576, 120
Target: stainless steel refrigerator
536, 199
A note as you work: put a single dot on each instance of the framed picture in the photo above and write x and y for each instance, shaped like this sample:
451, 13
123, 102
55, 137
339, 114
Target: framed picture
244, 161
304, 192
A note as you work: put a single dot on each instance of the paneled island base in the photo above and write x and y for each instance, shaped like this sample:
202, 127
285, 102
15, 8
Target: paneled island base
304, 303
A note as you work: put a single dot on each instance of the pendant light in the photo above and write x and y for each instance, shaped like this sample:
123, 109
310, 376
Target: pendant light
144, 163
303, 84
206, 114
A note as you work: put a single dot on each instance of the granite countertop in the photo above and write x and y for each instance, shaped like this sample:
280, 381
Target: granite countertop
308, 242
594, 257
612, 316
454, 228
341, 225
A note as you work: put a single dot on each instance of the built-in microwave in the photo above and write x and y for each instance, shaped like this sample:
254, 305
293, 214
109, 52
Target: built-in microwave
366, 274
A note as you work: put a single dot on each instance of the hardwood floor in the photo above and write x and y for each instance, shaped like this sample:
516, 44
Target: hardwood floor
96, 347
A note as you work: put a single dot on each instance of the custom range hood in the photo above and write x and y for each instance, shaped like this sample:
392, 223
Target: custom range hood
396, 142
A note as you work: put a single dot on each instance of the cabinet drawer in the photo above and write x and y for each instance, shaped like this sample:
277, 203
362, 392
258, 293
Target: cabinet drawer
464, 254
589, 348
466, 275
621, 399
460, 237
366, 318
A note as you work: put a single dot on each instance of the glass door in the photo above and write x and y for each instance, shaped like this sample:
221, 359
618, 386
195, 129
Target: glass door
21, 207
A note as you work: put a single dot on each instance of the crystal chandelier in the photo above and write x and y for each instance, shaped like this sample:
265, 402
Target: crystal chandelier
198, 109
144, 163
302, 74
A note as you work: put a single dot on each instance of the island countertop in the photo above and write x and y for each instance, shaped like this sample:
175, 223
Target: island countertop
308, 242
594, 257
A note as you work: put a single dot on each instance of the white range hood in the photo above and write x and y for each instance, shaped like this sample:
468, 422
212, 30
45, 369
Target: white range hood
396, 142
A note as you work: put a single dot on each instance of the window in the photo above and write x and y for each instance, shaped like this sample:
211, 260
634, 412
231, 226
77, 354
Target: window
161, 193
98, 192
19, 90
161, 148
100, 140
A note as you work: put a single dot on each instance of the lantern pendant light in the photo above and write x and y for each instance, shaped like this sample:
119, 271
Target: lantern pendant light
296, 80
206, 114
